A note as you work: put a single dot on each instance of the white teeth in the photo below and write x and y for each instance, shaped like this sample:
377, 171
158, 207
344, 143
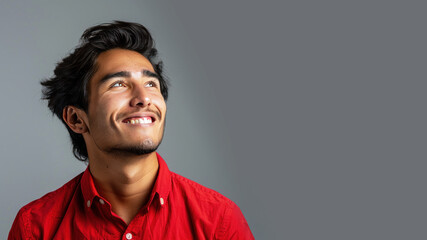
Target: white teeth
140, 120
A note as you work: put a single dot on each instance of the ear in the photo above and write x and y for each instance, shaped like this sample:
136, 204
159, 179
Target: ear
74, 117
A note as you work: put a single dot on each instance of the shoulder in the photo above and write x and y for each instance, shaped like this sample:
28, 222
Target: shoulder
208, 206
52, 201
41, 212
193, 189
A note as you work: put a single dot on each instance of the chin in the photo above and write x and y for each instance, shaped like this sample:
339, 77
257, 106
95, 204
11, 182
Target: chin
140, 150
147, 146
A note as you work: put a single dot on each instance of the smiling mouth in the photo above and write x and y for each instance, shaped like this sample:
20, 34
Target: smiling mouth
140, 120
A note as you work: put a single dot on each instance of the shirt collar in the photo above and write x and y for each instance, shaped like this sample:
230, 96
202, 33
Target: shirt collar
162, 186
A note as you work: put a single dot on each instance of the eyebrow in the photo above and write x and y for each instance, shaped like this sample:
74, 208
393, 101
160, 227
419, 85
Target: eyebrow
149, 73
127, 74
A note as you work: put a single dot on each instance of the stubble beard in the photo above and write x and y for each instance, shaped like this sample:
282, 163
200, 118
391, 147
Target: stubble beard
146, 147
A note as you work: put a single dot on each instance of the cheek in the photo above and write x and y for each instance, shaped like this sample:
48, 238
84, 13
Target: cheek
158, 100
106, 109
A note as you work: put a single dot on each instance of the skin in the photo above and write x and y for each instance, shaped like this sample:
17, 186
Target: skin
122, 176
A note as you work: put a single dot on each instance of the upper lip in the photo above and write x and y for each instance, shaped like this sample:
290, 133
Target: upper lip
154, 116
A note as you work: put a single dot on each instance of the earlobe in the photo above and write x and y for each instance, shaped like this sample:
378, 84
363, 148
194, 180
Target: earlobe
73, 116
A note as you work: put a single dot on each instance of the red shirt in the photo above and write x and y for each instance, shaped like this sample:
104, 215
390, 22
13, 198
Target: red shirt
178, 208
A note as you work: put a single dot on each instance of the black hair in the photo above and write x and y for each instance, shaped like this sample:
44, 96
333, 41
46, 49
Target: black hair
69, 84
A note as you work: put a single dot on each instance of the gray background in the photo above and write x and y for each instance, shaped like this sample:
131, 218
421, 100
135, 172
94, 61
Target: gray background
310, 115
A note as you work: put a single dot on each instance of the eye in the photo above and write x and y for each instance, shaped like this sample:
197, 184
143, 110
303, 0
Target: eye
117, 84
151, 84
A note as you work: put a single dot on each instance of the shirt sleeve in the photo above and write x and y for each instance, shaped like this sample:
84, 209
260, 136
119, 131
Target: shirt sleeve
234, 225
20, 227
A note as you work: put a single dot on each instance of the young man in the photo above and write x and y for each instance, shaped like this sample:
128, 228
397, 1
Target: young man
110, 94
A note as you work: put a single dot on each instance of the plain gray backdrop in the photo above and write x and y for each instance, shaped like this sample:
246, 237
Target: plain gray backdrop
310, 115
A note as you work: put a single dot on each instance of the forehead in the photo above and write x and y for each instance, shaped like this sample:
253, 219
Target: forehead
116, 60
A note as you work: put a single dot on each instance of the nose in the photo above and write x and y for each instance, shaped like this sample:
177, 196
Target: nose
140, 98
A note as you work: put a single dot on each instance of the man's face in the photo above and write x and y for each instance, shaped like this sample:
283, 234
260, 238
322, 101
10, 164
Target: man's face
126, 112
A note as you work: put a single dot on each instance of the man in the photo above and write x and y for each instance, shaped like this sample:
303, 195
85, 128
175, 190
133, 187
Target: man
110, 93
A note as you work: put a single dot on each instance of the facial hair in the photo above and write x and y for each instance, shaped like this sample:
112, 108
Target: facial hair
146, 147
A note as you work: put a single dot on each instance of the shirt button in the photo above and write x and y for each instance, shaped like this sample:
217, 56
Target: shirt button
88, 203
129, 236
101, 201
162, 201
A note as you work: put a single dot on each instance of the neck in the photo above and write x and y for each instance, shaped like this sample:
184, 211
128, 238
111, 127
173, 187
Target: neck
125, 181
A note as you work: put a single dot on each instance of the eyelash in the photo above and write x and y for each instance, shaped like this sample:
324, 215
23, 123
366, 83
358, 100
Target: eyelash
153, 84
118, 82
